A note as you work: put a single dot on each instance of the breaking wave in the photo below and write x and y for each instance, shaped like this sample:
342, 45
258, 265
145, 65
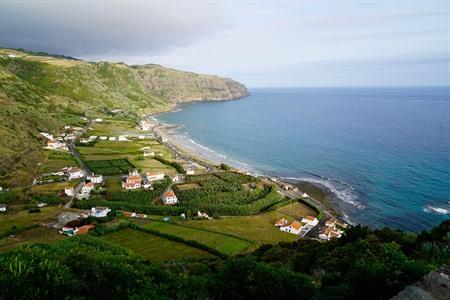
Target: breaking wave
436, 210
341, 190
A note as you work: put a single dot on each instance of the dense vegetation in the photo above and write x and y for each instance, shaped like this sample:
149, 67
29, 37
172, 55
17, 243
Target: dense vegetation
364, 264
220, 193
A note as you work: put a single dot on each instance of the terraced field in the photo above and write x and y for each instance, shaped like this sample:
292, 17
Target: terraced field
152, 247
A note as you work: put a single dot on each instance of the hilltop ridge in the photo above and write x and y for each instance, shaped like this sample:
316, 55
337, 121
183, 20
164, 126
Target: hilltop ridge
40, 92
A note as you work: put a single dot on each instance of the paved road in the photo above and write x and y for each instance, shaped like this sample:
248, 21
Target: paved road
73, 150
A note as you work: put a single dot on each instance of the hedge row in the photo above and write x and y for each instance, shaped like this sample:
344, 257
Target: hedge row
108, 230
173, 164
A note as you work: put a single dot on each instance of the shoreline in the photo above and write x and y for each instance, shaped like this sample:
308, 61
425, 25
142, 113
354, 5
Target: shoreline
320, 195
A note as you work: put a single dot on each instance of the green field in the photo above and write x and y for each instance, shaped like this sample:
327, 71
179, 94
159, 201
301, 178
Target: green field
110, 166
152, 247
53, 187
131, 151
223, 243
259, 228
55, 161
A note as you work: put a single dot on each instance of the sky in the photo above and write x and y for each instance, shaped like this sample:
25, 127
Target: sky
260, 43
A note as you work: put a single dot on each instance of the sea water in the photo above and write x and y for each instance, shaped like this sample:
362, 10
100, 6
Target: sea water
384, 152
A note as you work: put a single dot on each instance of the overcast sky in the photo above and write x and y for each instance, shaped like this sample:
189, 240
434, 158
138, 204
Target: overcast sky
272, 43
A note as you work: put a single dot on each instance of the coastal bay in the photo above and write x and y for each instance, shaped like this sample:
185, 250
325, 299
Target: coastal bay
361, 158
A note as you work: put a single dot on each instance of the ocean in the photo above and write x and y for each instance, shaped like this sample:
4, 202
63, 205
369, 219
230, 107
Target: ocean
384, 152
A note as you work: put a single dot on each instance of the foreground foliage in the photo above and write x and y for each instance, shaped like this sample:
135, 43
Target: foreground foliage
364, 264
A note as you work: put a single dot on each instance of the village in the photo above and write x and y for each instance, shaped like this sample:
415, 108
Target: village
131, 175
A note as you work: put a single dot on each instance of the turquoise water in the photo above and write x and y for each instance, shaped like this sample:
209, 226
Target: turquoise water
385, 152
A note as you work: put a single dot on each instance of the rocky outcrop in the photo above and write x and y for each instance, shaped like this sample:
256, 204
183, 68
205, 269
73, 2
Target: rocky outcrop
180, 86
433, 286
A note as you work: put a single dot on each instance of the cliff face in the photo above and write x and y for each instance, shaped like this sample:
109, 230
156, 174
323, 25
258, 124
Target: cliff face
179, 86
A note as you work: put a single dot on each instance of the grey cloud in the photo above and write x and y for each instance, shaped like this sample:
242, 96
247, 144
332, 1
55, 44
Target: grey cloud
96, 28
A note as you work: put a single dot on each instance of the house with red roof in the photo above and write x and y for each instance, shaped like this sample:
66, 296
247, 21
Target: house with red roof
169, 198
294, 228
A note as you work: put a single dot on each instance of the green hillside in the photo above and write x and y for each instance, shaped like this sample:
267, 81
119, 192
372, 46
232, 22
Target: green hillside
44, 93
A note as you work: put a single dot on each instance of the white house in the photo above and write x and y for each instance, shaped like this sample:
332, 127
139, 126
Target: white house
112, 138
329, 233
310, 220
95, 178
98, 120
100, 212
3, 207
54, 145
12, 56
123, 138
169, 198
75, 173
42, 204
93, 138
305, 195
69, 191
294, 228
87, 188
133, 181
103, 138
153, 176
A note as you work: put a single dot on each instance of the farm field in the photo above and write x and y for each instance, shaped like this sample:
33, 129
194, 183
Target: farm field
55, 161
152, 247
131, 151
223, 243
53, 187
34, 235
110, 167
115, 127
259, 228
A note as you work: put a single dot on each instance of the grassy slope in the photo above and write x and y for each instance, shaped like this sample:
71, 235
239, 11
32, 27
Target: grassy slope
222, 243
151, 246
45, 93
40, 92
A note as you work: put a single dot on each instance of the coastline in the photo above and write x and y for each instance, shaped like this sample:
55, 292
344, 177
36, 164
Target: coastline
186, 148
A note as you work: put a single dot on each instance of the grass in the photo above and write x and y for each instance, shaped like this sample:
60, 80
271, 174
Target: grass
108, 150
34, 235
259, 228
223, 243
152, 247
55, 161
52, 187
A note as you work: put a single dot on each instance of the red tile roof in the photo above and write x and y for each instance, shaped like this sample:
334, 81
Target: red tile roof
169, 194
84, 229
296, 225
